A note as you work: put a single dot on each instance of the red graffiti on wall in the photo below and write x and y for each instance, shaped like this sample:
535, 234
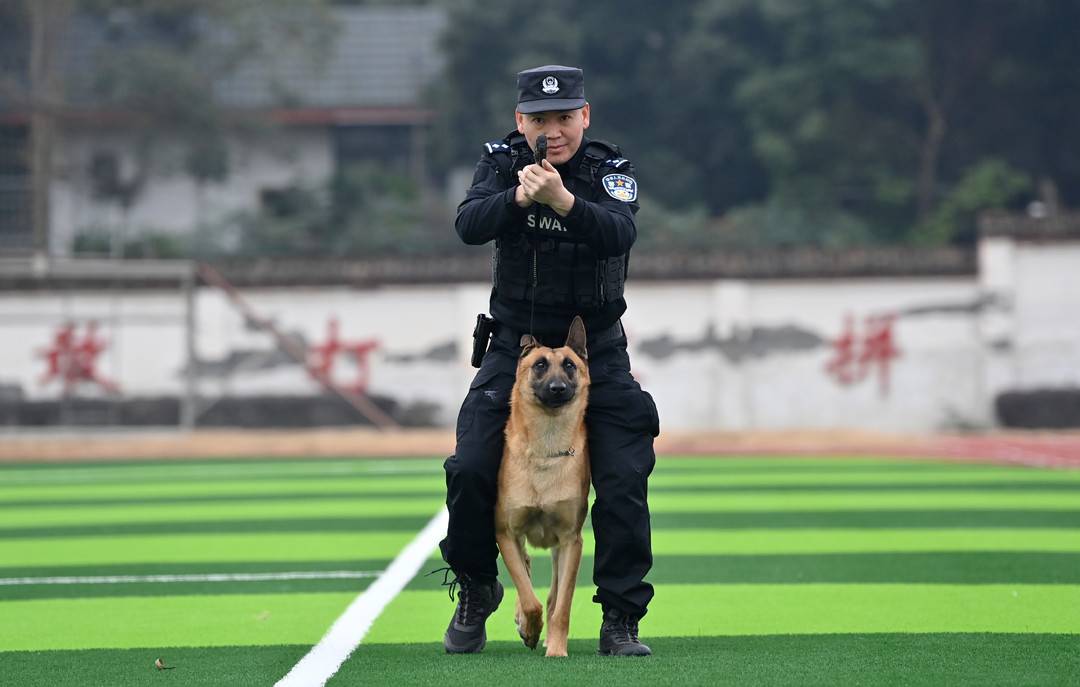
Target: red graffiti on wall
321, 357
72, 360
854, 357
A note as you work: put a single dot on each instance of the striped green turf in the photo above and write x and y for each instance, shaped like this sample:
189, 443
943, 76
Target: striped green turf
903, 519
829, 555
269, 478
344, 492
893, 659
432, 480
275, 546
721, 492
826, 660
359, 485
407, 523
166, 621
994, 567
230, 666
915, 499
190, 548
210, 469
871, 519
680, 610
659, 503
297, 508
752, 609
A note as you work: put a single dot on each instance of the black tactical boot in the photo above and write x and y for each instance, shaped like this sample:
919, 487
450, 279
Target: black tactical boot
618, 636
476, 600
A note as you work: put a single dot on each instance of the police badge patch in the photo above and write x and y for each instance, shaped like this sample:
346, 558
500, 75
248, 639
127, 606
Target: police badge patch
620, 187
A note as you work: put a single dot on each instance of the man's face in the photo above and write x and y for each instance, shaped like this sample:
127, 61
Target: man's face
564, 130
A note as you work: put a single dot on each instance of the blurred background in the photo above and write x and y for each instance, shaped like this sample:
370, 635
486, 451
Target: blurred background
855, 214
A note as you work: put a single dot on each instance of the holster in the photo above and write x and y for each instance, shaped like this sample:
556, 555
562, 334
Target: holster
481, 336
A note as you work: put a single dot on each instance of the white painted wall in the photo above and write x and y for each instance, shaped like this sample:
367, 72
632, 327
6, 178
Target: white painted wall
713, 370
171, 200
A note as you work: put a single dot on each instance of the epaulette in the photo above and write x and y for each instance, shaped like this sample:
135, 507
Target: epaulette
509, 153
601, 154
602, 150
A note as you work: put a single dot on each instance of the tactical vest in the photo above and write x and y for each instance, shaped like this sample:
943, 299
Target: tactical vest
558, 267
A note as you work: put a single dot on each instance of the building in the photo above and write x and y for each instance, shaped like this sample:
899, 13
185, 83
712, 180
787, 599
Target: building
360, 99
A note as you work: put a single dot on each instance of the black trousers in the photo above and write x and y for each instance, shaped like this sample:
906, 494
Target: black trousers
621, 421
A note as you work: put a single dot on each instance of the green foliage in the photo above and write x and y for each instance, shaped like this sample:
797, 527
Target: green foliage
364, 210
988, 185
786, 222
670, 229
149, 243
817, 121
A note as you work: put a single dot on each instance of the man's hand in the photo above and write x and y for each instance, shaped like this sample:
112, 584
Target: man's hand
542, 184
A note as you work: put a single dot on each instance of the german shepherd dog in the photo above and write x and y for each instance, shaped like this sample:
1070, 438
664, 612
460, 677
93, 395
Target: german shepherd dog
543, 488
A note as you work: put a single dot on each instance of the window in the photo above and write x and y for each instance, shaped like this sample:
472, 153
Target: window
16, 223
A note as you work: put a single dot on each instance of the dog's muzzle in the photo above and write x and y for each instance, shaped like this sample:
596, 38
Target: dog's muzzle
555, 394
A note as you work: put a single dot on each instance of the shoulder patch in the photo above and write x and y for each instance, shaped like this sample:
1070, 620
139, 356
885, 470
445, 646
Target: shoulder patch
615, 162
496, 147
620, 187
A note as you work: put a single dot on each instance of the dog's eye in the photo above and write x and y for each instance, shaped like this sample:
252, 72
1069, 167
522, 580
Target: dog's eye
569, 365
540, 365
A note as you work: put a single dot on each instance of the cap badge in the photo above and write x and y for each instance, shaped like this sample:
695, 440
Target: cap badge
550, 85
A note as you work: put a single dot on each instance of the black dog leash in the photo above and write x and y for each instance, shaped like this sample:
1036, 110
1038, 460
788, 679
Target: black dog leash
540, 156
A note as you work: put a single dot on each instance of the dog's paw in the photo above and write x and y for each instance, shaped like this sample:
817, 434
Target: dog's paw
530, 628
556, 648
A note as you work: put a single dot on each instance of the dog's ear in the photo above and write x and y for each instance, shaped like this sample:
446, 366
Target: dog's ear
575, 340
527, 344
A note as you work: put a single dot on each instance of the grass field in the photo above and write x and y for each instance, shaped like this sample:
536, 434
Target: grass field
768, 571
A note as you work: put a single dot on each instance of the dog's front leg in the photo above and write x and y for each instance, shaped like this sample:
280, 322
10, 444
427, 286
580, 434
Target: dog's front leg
532, 612
553, 595
559, 622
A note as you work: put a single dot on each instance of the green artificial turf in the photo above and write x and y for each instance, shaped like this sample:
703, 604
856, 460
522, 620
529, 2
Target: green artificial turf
232, 666
779, 570
828, 660
166, 621
208, 548
747, 609
877, 659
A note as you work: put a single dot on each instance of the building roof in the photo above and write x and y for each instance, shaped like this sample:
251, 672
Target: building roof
379, 57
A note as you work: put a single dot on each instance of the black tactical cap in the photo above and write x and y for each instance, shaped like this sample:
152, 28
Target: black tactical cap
551, 87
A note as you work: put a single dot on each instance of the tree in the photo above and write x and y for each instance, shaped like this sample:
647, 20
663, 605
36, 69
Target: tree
848, 121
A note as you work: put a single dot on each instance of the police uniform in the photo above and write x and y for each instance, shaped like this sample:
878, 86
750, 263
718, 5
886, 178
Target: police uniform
545, 270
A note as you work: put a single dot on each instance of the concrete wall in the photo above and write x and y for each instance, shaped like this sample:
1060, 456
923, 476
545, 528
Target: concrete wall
891, 354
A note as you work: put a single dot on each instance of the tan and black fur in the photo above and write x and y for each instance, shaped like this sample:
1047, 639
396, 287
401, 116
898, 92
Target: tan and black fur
544, 480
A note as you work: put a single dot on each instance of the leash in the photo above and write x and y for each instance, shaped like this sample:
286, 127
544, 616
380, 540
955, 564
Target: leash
538, 157
532, 301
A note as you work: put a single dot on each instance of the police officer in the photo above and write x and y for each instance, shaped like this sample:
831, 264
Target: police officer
562, 231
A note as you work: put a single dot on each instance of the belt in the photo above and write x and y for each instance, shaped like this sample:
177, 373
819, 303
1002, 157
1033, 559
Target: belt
594, 341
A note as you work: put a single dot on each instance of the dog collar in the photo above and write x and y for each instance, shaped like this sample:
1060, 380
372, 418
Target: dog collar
563, 454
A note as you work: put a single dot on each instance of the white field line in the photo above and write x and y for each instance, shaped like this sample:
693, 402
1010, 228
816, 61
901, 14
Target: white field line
208, 577
324, 659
